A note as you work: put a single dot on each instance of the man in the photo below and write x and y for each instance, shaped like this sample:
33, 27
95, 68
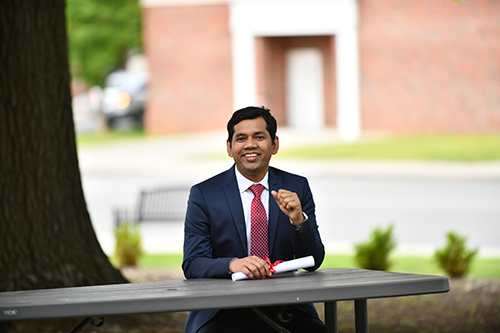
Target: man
228, 229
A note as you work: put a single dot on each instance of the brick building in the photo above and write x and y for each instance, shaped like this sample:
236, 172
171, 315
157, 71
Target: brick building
395, 66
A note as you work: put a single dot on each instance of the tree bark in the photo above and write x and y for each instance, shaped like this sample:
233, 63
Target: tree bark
46, 236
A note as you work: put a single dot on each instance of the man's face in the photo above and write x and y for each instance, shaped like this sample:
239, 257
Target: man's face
251, 148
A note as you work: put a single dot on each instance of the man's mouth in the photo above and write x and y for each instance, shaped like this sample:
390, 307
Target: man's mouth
251, 156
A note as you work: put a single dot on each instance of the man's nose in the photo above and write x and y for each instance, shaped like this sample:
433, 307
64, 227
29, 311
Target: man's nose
251, 142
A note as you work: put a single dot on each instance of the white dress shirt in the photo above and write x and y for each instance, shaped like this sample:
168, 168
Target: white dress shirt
247, 197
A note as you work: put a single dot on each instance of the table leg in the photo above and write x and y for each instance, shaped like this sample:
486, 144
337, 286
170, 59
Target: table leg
4, 327
361, 315
331, 317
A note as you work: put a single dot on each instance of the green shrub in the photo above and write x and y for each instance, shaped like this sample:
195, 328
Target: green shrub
374, 253
128, 244
455, 258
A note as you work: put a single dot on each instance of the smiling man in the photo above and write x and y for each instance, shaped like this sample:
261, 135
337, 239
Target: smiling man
239, 217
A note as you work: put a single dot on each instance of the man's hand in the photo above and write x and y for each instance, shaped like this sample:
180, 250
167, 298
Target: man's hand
289, 204
253, 267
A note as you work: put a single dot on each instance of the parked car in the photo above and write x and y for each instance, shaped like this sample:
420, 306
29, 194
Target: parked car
124, 96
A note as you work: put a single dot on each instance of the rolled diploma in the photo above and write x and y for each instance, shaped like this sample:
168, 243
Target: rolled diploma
286, 266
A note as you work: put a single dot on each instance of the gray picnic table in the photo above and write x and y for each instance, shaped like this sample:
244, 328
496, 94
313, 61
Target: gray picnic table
326, 285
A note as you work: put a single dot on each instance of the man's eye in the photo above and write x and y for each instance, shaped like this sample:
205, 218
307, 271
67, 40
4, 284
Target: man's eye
240, 139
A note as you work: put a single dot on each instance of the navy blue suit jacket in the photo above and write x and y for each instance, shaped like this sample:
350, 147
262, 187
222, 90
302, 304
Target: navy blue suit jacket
215, 232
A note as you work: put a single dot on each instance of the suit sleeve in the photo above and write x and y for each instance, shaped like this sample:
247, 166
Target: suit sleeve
198, 261
307, 241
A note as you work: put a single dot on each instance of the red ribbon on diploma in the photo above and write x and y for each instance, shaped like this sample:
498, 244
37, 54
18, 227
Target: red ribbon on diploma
271, 266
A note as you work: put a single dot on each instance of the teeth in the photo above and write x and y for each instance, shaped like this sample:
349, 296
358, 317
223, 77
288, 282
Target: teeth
251, 155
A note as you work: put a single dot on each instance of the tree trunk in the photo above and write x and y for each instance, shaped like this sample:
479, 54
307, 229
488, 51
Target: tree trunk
46, 236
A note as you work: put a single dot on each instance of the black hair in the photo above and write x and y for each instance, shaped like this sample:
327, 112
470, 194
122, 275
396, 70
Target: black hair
252, 112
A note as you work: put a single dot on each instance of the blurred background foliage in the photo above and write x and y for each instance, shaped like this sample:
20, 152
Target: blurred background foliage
101, 36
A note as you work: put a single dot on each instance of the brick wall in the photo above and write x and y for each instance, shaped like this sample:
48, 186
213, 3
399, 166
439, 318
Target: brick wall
430, 65
189, 56
425, 66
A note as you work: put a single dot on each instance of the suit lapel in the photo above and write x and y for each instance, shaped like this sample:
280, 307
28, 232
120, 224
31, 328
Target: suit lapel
235, 206
272, 225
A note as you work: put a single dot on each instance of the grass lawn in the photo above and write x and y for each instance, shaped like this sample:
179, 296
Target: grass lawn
85, 139
416, 147
443, 147
481, 267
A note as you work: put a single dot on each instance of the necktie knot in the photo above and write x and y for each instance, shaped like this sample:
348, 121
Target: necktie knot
257, 190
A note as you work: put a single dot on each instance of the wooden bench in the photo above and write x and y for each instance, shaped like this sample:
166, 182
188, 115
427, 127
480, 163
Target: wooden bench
167, 203
328, 286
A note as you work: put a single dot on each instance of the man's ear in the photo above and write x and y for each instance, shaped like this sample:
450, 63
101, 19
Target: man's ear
276, 145
228, 147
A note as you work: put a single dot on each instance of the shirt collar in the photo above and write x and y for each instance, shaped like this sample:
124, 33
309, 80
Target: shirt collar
244, 183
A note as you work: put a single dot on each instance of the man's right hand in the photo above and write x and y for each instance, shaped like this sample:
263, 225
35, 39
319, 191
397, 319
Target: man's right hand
253, 267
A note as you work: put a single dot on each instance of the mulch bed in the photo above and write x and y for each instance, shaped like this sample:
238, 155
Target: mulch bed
472, 305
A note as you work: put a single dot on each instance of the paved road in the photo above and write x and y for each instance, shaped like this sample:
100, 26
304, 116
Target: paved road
423, 200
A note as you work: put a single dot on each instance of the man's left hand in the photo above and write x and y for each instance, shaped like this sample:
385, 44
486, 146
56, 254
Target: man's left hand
289, 204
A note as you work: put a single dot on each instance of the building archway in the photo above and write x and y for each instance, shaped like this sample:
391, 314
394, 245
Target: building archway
296, 19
